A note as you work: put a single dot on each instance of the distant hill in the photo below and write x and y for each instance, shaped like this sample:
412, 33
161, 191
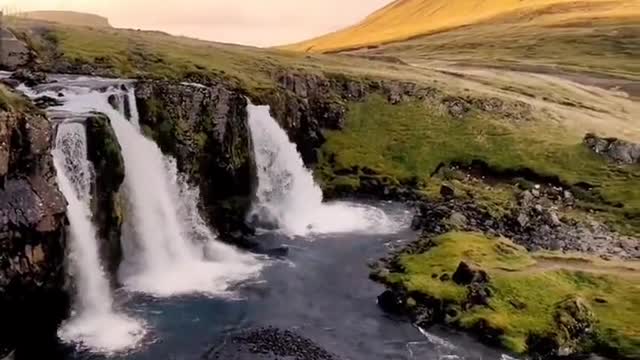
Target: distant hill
68, 17
406, 19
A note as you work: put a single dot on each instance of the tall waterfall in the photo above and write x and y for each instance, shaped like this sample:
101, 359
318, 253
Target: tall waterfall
287, 195
94, 324
168, 249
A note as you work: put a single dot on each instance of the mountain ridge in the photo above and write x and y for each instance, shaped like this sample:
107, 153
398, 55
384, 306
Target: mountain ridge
68, 18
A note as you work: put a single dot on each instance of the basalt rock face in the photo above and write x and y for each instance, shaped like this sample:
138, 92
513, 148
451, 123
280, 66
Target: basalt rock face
32, 228
206, 129
107, 205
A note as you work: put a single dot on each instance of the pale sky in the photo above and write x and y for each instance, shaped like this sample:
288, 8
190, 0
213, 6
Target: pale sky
251, 22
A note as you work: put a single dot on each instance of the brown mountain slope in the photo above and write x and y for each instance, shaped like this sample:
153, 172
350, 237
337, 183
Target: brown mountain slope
406, 19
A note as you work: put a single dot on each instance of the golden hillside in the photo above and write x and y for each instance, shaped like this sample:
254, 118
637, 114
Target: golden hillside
68, 18
405, 19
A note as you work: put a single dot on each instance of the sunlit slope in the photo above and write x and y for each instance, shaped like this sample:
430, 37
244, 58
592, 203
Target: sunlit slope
68, 18
404, 19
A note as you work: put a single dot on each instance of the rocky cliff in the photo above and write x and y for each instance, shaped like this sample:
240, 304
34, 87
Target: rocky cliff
205, 128
32, 220
107, 205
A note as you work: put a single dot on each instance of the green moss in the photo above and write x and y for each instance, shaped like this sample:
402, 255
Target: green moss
412, 139
10, 100
528, 296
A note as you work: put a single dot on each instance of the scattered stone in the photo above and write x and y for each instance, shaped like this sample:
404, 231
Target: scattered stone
478, 295
44, 102
526, 198
458, 221
29, 78
517, 304
447, 192
269, 343
523, 219
445, 277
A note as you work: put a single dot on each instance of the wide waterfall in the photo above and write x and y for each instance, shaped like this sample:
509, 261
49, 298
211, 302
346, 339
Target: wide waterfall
94, 323
287, 195
168, 248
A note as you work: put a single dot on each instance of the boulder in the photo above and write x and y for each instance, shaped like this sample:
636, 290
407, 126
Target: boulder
466, 274
29, 78
458, 221
613, 149
44, 102
393, 301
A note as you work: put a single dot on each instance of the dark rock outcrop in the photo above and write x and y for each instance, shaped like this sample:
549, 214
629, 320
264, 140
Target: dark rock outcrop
206, 130
104, 151
32, 223
613, 149
29, 78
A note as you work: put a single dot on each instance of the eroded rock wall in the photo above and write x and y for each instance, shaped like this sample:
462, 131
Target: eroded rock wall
32, 223
205, 128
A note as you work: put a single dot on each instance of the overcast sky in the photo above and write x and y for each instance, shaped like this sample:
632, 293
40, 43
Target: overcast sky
252, 22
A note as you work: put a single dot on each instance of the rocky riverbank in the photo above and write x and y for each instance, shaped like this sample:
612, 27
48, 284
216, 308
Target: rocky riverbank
531, 274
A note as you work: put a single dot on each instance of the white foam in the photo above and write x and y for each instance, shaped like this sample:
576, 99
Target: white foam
107, 333
287, 195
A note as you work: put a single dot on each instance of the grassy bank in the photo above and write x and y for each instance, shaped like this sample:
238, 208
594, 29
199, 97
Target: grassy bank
410, 140
527, 290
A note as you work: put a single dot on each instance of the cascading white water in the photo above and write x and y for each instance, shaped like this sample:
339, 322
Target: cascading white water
94, 324
287, 195
168, 250
133, 108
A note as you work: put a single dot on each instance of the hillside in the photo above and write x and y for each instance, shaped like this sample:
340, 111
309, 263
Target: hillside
68, 17
406, 19
482, 152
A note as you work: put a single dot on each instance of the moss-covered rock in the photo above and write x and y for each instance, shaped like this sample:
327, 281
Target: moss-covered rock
104, 151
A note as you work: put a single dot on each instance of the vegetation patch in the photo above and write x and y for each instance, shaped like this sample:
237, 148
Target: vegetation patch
409, 142
531, 301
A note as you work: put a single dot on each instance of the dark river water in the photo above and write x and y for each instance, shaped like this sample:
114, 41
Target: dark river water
320, 290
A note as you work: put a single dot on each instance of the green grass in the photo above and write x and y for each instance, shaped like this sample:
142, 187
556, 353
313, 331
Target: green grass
136, 54
10, 100
412, 139
516, 278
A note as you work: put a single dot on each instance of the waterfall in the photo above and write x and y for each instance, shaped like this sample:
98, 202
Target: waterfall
287, 195
94, 324
168, 249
